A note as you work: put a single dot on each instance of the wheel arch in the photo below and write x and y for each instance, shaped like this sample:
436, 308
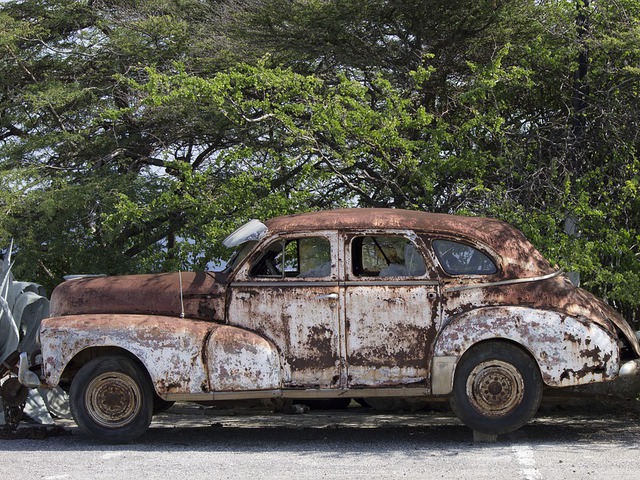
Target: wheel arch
504, 340
85, 355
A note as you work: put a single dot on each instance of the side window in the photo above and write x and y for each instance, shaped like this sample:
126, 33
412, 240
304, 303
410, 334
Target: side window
295, 258
460, 259
386, 256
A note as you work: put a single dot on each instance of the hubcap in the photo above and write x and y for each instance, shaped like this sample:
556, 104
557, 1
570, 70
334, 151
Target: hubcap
13, 393
113, 399
495, 388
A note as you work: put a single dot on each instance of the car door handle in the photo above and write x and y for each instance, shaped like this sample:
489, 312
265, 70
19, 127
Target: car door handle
328, 296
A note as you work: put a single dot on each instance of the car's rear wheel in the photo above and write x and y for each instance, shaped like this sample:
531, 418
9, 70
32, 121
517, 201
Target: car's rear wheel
497, 388
160, 405
111, 399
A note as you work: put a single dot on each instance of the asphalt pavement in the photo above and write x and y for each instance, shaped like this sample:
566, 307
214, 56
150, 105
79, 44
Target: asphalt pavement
569, 440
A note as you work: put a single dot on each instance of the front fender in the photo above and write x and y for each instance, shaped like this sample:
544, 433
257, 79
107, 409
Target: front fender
169, 348
568, 350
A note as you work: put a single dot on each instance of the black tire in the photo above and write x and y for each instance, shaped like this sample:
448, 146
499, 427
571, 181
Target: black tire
111, 399
160, 405
497, 388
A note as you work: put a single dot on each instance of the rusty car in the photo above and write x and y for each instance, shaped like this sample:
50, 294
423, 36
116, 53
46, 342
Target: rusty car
351, 303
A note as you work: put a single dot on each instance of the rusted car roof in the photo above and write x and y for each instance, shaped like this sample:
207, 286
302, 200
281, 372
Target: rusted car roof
517, 253
485, 229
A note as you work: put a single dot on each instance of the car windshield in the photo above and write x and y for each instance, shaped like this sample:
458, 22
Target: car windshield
252, 230
238, 255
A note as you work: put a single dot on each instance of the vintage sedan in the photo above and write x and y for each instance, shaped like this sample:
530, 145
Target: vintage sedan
363, 303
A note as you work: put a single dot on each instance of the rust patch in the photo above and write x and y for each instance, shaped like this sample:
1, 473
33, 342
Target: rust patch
593, 354
576, 375
571, 338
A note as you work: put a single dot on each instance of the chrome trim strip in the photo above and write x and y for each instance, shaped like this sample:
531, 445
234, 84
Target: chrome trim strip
281, 283
350, 283
503, 282
391, 283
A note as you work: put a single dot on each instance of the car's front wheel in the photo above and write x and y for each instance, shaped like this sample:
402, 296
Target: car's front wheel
497, 388
111, 399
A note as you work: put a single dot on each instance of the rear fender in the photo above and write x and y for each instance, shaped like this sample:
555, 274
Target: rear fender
568, 350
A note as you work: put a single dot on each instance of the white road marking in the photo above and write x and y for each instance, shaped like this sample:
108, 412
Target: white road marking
110, 455
526, 462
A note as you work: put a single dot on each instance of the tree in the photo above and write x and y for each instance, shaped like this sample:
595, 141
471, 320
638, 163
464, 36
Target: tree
91, 182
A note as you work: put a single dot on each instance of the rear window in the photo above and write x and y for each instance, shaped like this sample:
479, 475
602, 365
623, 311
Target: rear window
461, 259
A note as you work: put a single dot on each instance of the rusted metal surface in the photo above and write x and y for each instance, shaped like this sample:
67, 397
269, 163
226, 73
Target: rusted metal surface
556, 294
240, 360
298, 315
202, 295
170, 348
114, 399
343, 330
388, 331
495, 387
301, 321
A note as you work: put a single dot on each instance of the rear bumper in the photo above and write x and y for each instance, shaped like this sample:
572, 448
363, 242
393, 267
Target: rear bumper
630, 369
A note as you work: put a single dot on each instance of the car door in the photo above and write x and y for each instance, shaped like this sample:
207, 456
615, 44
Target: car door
391, 309
288, 292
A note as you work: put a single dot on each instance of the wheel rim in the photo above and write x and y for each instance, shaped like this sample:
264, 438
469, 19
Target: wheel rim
113, 399
495, 388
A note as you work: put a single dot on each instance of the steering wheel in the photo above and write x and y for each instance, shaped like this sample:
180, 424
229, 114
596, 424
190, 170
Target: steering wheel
271, 268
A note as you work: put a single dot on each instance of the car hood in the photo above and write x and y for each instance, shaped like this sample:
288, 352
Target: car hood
157, 294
